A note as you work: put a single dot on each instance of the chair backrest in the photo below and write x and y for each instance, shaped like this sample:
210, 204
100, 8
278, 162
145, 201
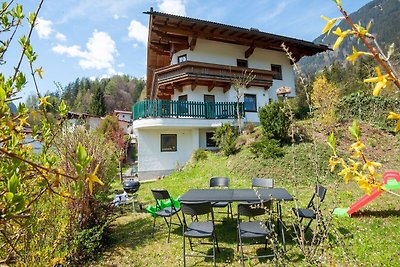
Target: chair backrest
262, 182
253, 209
320, 192
196, 208
219, 182
162, 194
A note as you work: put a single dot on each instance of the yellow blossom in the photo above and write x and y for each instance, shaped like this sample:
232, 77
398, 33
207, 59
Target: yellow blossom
333, 161
329, 25
39, 71
370, 165
92, 178
341, 37
357, 147
394, 116
346, 173
22, 121
355, 55
43, 101
381, 81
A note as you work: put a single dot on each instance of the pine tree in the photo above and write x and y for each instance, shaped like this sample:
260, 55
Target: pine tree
97, 105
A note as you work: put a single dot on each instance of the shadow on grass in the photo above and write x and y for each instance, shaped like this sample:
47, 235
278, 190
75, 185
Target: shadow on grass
376, 213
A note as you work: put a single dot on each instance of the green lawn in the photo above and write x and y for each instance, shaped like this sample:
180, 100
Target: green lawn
370, 238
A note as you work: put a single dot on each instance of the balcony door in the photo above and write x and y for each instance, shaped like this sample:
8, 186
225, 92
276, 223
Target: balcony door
209, 106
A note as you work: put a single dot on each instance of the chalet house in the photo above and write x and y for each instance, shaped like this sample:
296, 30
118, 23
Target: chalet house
191, 67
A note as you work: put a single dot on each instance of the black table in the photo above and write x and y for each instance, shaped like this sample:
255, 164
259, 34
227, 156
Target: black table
231, 195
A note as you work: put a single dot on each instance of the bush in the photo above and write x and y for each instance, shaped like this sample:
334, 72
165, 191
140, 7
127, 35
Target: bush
275, 121
267, 148
225, 136
365, 107
88, 242
199, 154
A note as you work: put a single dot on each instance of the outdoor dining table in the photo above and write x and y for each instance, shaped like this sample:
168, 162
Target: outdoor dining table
248, 195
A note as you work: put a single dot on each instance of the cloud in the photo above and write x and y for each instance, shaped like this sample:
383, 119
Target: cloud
176, 7
138, 31
99, 54
60, 37
43, 28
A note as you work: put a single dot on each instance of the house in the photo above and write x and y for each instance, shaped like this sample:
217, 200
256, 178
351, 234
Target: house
90, 122
191, 67
125, 121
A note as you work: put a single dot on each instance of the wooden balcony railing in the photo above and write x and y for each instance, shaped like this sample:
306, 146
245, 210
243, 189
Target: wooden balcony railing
185, 109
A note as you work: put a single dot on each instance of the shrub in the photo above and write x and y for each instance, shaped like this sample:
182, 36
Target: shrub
199, 154
88, 242
324, 97
225, 137
267, 148
275, 121
368, 108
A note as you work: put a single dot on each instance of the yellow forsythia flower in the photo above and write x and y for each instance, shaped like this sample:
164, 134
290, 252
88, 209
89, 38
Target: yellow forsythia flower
356, 54
329, 25
43, 101
346, 173
341, 37
370, 165
381, 81
395, 116
92, 178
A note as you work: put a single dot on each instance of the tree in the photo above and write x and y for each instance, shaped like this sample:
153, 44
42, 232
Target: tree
239, 85
324, 98
97, 105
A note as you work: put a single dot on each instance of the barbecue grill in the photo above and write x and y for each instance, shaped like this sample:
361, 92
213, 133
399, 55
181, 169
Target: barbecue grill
131, 186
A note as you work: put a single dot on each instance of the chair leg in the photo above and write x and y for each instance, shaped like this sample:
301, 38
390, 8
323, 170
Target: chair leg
308, 225
216, 241
214, 250
169, 227
241, 250
184, 249
154, 225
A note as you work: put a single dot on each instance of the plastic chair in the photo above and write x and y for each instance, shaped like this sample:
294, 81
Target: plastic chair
222, 182
196, 228
312, 209
262, 182
165, 212
253, 229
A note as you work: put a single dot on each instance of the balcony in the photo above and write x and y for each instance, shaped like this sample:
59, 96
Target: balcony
174, 77
185, 109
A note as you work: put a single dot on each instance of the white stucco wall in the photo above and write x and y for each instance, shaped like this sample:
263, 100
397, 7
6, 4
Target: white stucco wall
150, 157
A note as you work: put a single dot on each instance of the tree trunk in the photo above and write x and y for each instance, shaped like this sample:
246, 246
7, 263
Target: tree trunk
120, 170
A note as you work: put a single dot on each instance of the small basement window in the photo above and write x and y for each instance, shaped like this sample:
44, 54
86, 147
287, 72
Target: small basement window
278, 69
210, 142
182, 58
242, 63
250, 103
168, 142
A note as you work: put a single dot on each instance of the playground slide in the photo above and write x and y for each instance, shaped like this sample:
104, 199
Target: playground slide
391, 180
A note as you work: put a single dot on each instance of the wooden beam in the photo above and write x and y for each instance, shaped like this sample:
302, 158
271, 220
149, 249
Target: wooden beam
192, 44
211, 86
177, 87
226, 88
249, 51
193, 85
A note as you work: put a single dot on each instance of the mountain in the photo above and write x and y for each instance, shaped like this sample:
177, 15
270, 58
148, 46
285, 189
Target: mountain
385, 26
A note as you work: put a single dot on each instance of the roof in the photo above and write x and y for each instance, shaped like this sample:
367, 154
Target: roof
171, 33
123, 111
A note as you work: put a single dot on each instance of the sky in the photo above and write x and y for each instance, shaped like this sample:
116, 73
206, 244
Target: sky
101, 38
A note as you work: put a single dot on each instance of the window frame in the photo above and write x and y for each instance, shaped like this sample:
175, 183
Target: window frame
172, 148
244, 63
278, 69
254, 96
182, 58
208, 139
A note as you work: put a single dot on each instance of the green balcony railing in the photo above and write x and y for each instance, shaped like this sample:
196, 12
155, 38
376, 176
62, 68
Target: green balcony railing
185, 109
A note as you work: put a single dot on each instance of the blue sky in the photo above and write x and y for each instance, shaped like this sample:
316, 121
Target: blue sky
99, 38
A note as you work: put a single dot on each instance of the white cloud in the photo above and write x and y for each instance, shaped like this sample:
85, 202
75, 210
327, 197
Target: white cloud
116, 16
121, 65
135, 45
138, 31
60, 37
99, 54
43, 28
176, 7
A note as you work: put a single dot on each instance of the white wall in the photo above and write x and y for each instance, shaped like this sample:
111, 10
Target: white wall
150, 157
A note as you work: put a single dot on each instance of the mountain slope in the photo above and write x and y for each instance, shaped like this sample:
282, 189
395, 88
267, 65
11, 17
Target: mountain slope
385, 26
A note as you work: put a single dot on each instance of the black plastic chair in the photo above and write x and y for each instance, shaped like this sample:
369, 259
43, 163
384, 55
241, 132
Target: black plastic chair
253, 229
222, 182
196, 228
262, 182
312, 209
168, 212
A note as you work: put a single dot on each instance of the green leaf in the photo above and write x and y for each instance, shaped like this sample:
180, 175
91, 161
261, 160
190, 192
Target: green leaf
390, 50
355, 130
62, 108
332, 141
81, 154
9, 196
13, 184
2, 95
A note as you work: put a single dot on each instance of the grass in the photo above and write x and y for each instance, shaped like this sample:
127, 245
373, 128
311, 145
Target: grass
369, 238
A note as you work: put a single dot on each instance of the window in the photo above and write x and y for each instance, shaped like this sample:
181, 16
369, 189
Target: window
168, 142
182, 98
182, 58
242, 63
278, 69
182, 105
250, 103
210, 142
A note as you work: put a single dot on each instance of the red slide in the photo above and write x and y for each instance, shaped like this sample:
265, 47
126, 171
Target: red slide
375, 192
